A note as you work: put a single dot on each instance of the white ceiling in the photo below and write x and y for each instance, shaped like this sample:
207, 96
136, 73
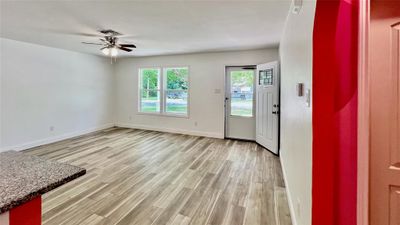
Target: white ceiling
155, 27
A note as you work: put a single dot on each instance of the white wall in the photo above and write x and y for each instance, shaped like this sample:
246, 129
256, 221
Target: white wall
206, 75
44, 87
296, 120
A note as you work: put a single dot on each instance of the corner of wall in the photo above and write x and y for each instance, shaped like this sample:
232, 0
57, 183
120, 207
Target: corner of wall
288, 193
62, 94
114, 92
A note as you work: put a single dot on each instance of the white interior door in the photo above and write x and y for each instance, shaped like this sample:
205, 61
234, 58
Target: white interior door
267, 104
240, 103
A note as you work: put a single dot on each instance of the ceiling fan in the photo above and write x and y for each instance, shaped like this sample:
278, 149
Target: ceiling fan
110, 43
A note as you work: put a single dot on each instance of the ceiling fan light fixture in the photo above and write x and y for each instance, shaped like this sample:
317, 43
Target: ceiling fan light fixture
110, 44
114, 51
106, 51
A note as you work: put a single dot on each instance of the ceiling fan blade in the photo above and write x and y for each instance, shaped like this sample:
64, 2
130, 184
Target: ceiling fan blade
83, 34
125, 49
67, 32
90, 43
128, 45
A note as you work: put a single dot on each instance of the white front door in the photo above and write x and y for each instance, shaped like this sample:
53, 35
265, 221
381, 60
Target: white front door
267, 104
239, 103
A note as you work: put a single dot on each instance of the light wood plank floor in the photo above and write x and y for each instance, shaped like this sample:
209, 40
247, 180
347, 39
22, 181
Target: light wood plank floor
146, 177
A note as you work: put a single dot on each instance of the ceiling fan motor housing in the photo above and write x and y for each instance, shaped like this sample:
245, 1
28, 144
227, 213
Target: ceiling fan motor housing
111, 40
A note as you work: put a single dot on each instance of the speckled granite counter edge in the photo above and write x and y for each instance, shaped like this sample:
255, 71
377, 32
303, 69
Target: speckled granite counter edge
40, 192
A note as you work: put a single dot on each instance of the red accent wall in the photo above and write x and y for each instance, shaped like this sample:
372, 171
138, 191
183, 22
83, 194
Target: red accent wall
29, 213
335, 55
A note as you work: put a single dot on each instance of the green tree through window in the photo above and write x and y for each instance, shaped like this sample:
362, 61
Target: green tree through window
242, 93
245, 78
176, 93
177, 78
150, 90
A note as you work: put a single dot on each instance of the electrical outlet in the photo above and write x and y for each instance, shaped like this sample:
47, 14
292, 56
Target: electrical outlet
51, 128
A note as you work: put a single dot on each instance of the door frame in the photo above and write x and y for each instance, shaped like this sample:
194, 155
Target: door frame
363, 139
224, 97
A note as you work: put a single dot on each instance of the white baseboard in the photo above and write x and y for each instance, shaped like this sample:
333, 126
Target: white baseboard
49, 140
172, 130
289, 197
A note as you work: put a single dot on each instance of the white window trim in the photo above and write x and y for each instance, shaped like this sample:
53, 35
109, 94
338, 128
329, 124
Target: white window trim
162, 83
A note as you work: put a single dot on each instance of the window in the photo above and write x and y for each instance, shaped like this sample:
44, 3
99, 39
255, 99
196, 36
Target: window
165, 93
150, 90
242, 93
176, 90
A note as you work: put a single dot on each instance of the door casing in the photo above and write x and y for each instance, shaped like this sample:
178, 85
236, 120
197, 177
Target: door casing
363, 117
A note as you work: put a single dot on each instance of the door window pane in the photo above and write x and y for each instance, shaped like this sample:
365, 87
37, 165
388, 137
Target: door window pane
176, 102
266, 77
150, 101
242, 93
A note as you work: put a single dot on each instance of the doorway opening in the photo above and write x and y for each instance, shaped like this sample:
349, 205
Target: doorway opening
240, 102
252, 104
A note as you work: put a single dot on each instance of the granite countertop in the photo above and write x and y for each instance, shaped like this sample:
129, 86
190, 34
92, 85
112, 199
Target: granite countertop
24, 177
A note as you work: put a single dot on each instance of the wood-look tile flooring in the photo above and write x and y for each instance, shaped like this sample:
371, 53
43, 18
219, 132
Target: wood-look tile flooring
146, 177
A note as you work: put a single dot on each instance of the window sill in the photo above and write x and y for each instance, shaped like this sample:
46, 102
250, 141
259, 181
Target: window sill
241, 116
185, 116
